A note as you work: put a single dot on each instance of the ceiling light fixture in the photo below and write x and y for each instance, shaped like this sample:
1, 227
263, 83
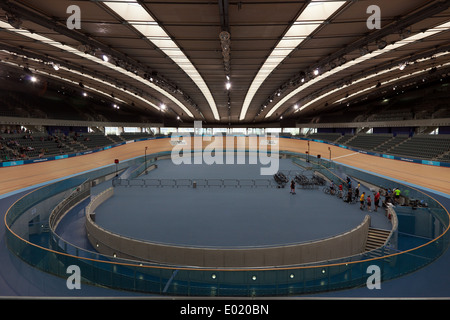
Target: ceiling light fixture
313, 16
382, 44
371, 87
371, 55
82, 54
102, 82
139, 18
14, 20
413, 74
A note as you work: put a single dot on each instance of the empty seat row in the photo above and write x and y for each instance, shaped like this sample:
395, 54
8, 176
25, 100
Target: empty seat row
368, 141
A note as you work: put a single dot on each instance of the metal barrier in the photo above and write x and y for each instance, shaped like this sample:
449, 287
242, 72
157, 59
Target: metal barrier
187, 281
196, 183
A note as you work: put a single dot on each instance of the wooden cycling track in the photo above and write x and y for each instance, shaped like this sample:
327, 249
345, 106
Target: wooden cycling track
23, 176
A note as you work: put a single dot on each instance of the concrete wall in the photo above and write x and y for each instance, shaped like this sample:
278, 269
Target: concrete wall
350, 243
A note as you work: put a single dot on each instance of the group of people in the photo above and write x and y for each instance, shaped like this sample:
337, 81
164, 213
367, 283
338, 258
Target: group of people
391, 196
364, 199
368, 202
17, 148
13, 149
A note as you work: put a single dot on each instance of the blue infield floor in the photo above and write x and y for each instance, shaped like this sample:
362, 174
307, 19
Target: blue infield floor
216, 217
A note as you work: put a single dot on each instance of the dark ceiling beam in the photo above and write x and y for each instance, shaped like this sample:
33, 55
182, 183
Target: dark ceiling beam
97, 75
378, 92
395, 27
224, 19
225, 44
25, 13
288, 112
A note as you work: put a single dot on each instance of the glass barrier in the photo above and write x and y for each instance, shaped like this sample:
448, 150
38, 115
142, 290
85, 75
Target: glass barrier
156, 279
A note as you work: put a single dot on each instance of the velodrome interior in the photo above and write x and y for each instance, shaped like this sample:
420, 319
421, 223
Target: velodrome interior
137, 73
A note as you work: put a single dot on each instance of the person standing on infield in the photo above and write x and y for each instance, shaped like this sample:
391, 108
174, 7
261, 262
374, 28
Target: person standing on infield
377, 200
361, 201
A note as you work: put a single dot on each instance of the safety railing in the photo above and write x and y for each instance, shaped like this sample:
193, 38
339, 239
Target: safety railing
188, 281
80, 193
196, 183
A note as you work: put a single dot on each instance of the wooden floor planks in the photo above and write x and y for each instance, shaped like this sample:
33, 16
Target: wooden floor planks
19, 177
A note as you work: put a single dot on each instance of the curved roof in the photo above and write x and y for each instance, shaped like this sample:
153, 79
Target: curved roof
279, 58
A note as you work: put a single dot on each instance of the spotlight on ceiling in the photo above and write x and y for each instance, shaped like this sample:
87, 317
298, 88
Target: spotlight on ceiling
363, 51
404, 34
228, 85
14, 21
382, 44
105, 58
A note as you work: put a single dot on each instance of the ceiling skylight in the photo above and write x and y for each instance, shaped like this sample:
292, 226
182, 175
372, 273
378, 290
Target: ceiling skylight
133, 13
408, 75
99, 60
361, 91
371, 55
314, 15
81, 75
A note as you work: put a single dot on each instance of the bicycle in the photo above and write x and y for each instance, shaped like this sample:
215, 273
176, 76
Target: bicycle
328, 190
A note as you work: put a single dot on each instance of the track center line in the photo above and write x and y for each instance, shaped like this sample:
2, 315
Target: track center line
350, 154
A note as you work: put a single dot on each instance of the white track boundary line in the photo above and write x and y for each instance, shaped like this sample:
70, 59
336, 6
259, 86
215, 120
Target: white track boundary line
347, 155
